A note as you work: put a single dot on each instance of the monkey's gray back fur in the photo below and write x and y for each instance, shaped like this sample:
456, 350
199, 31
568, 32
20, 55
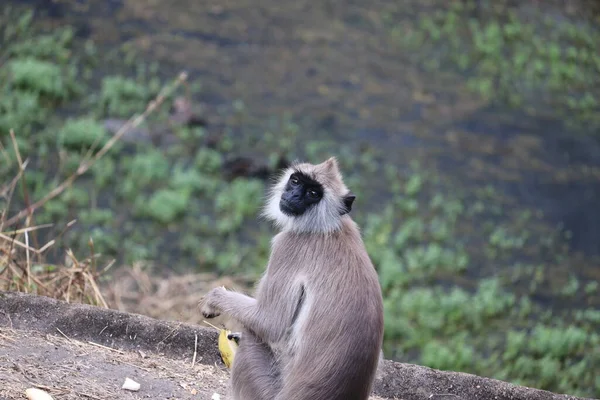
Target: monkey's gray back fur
330, 347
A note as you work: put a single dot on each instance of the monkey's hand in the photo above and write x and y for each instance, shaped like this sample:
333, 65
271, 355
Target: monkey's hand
211, 303
238, 307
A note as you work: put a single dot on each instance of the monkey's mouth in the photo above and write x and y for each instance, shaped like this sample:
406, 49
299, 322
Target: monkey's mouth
287, 208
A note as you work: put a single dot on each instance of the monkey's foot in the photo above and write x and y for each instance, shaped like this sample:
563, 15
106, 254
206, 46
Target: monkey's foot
235, 336
210, 315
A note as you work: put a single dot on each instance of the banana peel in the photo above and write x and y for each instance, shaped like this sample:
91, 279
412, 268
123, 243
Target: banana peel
227, 347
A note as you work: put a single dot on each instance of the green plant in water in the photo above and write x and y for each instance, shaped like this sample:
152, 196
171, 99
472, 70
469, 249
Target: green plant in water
420, 246
42, 78
82, 134
208, 160
236, 202
122, 97
38, 74
166, 205
144, 170
456, 354
516, 59
448, 303
20, 112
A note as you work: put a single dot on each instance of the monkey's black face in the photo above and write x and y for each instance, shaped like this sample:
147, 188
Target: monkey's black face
301, 193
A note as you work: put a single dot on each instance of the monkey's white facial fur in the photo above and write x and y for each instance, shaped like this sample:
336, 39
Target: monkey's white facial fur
309, 198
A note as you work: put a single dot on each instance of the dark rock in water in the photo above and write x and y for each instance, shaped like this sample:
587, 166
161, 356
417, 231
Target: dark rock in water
134, 135
212, 140
162, 134
197, 121
249, 167
159, 135
282, 163
183, 114
243, 166
52, 9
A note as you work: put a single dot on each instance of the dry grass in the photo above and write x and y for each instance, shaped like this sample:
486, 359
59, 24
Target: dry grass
173, 297
22, 266
23, 270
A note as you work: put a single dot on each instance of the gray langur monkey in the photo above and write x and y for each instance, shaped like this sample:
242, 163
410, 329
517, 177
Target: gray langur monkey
314, 330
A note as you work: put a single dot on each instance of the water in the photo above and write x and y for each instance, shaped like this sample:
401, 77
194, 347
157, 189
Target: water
333, 68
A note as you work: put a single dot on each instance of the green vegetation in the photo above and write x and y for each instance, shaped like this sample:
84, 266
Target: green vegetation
462, 269
523, 59
82, 134
122, 97
492, 328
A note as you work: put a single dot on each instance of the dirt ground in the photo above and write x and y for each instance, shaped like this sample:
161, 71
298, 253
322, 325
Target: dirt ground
73, 369
77, 351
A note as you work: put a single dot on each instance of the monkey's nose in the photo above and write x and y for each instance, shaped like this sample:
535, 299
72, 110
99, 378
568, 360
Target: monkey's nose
290, 197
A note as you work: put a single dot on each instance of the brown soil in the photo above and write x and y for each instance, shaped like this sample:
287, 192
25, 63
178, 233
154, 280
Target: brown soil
76, 351
73, 369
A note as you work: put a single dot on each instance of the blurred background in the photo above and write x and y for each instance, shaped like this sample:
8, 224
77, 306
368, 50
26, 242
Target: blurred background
469, 130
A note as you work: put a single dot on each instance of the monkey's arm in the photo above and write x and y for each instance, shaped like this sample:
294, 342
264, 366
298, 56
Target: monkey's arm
267, 319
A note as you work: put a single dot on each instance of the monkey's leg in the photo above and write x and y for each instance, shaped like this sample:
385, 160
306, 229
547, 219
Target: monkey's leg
255, 373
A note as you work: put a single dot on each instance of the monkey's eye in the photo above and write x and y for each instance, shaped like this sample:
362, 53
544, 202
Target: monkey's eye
312, 193
294, 180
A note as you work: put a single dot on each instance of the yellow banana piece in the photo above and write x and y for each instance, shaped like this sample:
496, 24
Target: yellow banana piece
227, 347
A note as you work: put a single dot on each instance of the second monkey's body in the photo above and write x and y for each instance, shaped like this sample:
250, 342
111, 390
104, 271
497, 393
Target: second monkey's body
314, 329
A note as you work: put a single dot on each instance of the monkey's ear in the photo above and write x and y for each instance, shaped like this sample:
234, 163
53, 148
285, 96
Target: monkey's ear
331, 160
348, 200
331, 164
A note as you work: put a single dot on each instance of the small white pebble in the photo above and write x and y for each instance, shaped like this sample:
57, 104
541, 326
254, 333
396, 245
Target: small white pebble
131, 385
37, 394
216, 396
